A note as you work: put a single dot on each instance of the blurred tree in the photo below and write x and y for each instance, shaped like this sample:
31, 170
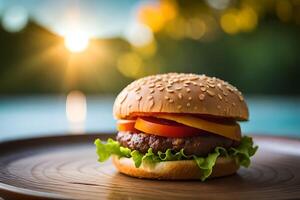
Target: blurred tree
252, 44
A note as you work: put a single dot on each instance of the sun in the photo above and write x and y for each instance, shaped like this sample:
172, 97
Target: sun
76, 42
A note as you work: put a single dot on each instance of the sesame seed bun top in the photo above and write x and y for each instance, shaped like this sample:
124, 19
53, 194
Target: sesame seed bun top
181, 93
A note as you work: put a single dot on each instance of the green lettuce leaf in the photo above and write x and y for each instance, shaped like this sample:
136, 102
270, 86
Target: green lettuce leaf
206, 164
137, 158
111, 147
241, 154
244, 151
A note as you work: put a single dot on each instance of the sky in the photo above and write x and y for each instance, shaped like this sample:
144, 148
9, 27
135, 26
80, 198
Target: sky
99, 18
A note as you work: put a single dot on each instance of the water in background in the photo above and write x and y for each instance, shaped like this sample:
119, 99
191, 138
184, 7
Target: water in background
45, 115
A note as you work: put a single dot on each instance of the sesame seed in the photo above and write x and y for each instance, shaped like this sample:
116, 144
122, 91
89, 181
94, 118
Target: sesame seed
188, 90
151, 91
178, 88
241, 97
179, 95
157, 80
194, 78
137, 89
195, 107
201, 96
210, 92
166, 97
123, 97
190, 98
171, 100
225, 93
203, 88
161, 89
229, 88
188, 104
150, 97
220, 96
211, 81
233, 103
151, 103
138, 98
170, 91
179, 107
219, 107
152, 85
211, 85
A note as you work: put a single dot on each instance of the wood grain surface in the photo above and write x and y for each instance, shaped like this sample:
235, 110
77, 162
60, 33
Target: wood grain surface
65, 167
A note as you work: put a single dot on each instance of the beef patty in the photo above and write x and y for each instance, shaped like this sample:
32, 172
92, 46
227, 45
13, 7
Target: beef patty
197, 145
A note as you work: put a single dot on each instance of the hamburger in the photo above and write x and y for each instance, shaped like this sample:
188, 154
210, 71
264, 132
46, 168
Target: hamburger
178, 126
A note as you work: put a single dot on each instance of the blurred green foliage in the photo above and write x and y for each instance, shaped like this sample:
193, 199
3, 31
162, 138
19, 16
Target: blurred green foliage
261, 61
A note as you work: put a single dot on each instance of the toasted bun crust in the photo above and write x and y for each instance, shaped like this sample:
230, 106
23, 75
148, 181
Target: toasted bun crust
174, 170
181, 94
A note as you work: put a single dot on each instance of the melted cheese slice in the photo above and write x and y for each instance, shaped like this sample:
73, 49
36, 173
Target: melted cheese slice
232, 131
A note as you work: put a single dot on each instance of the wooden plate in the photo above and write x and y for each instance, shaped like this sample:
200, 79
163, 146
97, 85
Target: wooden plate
65, 167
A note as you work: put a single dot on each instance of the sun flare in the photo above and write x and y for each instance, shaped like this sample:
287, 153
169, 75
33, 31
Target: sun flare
76, 42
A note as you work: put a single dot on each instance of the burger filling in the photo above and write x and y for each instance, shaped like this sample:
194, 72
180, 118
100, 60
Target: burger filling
173, 137
200, 145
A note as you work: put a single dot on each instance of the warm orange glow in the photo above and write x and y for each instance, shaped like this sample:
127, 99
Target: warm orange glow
156, 15
168, 9
76, 41
247, 19
234, 21
229, 22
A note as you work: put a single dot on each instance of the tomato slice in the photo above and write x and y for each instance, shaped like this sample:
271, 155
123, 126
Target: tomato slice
164, 128
126, 125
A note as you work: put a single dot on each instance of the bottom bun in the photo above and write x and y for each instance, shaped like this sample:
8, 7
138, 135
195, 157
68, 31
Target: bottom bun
174, 170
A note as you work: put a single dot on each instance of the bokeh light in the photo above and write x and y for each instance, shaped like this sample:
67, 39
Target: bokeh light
196, 28
139, 34
243, 20
14, 19
157, 14
76, 41
229, 22
130, 65
247, 19
76, 107
218, 4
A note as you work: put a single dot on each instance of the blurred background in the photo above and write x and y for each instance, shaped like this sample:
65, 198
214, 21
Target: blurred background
63, 62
